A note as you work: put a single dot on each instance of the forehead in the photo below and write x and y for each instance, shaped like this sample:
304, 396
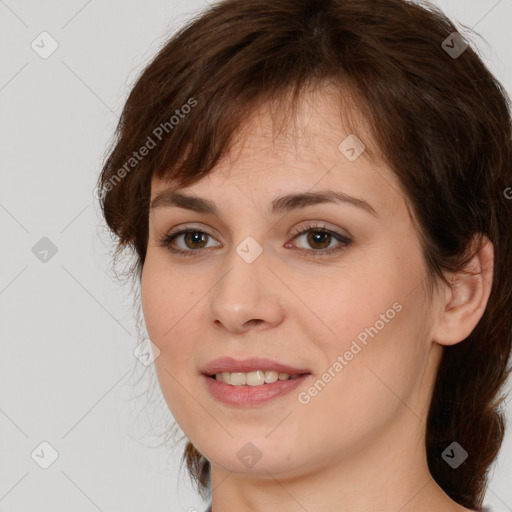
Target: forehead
324, 144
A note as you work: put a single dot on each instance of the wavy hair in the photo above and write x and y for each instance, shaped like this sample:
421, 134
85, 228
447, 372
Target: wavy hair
441, 121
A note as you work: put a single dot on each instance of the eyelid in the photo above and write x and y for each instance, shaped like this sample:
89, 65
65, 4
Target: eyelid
320, 225
188, 227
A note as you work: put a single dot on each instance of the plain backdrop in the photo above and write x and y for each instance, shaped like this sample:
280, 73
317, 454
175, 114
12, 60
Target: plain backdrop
68, 375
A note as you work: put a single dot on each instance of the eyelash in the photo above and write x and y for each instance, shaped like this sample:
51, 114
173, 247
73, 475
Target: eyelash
167, 240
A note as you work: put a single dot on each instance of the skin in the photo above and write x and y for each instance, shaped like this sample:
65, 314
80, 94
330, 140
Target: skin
358, 445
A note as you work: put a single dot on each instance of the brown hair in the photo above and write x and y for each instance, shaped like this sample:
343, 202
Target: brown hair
442, 123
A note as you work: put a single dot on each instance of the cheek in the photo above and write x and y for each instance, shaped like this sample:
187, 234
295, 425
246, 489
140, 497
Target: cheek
333, 310
153, 302
168, 316
364, 385
371, 336
165, 301
171, 306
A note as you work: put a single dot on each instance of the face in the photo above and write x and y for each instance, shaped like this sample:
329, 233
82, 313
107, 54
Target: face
336, 289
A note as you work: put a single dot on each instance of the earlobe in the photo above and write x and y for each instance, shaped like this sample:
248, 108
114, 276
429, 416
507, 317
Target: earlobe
465, 301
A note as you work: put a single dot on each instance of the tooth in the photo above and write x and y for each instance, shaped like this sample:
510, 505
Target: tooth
255, 378
270, 376
238, 379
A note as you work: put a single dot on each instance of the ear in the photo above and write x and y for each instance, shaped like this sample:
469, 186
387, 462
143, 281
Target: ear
464, 302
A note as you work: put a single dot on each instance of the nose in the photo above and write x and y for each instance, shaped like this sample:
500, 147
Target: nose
247, 296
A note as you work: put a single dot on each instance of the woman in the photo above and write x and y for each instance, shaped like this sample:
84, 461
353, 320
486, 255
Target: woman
316, 194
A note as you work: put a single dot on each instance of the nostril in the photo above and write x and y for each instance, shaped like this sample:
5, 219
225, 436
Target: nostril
253, 322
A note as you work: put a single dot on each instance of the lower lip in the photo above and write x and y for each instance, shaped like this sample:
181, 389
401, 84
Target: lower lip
246, 395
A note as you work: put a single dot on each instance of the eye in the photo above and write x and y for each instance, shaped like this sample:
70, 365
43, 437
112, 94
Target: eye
319, 237
193, 238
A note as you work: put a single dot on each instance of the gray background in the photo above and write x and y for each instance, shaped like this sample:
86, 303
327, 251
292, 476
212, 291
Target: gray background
68, 375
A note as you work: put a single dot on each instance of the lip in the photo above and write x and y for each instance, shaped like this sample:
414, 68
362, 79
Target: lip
229, 364
247, 396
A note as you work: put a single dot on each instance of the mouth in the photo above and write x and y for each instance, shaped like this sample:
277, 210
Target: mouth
252, 381
254, 371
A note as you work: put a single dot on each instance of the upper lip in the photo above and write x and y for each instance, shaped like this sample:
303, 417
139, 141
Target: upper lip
229, 364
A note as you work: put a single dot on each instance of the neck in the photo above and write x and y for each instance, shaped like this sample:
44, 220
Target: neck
389, 474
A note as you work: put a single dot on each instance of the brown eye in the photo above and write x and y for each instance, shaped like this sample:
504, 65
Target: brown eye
193, 238
320, 238
193, 241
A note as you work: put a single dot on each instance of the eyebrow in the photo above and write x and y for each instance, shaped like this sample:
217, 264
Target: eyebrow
279, 205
